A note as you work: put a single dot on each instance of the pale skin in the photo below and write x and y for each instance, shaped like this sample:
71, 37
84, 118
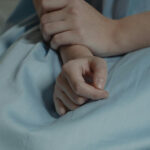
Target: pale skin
75, 22
71, 89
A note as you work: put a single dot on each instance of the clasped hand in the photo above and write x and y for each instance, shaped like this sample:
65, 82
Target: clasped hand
75, 22
68, 22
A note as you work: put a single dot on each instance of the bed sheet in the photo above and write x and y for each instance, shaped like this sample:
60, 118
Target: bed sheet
28, 121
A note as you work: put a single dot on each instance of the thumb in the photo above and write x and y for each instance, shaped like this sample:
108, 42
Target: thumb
99, 68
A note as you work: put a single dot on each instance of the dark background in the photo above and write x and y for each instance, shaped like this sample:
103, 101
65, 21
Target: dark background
6, 7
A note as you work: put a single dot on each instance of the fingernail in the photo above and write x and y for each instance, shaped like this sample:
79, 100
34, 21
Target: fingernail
62, 111
100, 83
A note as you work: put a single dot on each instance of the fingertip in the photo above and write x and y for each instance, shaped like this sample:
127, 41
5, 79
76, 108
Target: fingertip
60, 108
100, 94
100, 83
62, 111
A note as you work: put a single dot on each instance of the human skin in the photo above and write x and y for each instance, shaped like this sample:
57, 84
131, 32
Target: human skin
70, 89
76, 22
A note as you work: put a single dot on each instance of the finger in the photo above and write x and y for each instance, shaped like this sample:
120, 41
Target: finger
52, 17
80, 87
63, 84
99, 69
54, 28
51, 5
65, 38
86, 90
59, 106
66, 101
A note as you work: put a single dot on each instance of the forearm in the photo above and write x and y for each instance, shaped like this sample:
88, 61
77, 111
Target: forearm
133, 33
72, 52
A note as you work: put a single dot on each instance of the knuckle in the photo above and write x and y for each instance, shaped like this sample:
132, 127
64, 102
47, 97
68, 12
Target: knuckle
59, 37
55, 39
77, 88
68, 67
80, 100
73, 10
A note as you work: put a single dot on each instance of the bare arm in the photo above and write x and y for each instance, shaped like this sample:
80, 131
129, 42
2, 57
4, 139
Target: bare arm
132, 33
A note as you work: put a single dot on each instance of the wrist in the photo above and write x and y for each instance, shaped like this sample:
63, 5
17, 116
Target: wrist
73, 52
107, 41
113, 44
115, 41
121, 39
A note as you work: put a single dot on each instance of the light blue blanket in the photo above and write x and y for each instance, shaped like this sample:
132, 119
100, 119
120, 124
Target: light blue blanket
28, 70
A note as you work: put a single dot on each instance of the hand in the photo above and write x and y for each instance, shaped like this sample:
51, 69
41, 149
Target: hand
78, 23
80, 80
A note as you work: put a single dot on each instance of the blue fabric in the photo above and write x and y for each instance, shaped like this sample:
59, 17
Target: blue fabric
28, 70
24, 9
